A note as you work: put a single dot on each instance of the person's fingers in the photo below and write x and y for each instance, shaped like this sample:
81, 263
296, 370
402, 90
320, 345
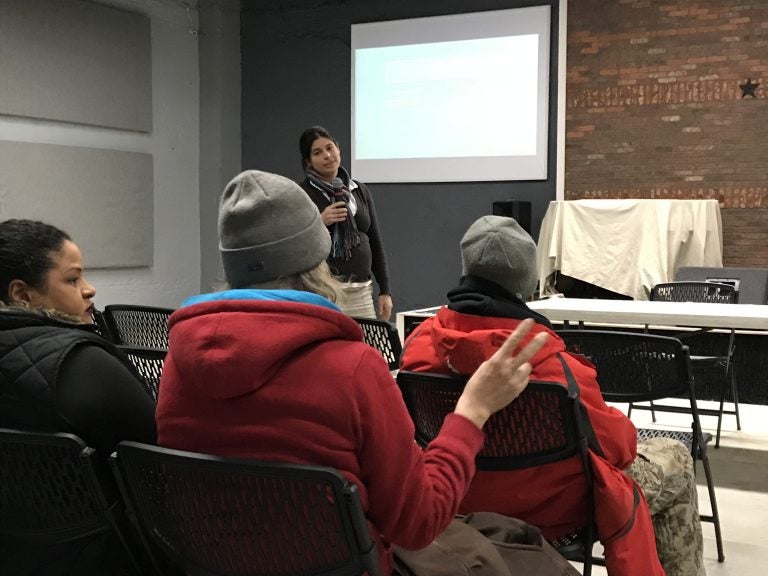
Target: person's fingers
523, 371
517, 335
385, 307
508, 350
532, 347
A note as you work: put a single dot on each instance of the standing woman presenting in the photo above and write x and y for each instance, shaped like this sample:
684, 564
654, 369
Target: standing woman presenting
347, 209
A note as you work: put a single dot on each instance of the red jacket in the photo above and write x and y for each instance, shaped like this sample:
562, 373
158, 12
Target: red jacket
551, 496
288, 381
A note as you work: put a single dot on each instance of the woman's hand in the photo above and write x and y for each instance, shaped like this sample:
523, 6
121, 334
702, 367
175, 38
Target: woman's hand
501, 378
385, 307
336, 212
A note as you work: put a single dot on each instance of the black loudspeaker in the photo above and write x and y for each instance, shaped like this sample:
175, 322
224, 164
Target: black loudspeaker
520, 210
752, 283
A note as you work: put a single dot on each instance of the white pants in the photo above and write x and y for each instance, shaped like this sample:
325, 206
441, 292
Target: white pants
357, 299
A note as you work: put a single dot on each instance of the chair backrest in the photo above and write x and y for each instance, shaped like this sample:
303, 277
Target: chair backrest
752, 283
100, 325
134, 325
542, 425
49, 489
149, 364
700, 342
634, 367
222, 516
384, 337
695, 291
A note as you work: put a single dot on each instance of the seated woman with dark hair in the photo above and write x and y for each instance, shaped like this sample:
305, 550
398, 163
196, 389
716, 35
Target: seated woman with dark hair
80, 384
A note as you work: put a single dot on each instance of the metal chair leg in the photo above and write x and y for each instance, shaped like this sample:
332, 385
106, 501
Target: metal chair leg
728, 380
722, 408
699, 452
735, 394
715, 517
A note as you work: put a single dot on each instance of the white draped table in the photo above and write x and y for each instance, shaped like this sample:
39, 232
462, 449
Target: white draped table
627, 246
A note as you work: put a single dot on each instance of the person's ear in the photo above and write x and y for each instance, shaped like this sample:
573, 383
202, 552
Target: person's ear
18, 293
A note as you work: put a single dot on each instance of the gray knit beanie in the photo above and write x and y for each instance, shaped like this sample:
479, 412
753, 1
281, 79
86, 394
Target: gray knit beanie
496, 248
268, 228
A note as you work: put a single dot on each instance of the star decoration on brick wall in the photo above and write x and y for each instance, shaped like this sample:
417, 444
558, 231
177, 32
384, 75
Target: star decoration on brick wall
748, 88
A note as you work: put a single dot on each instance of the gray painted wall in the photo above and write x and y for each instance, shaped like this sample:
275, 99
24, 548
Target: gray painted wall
296, 73
174, 145
219, 123
78, 186
76, 62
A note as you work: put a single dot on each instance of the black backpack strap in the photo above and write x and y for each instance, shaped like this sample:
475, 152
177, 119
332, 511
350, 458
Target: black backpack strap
574, 391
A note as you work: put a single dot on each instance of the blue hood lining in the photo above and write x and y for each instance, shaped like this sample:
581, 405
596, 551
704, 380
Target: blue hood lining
298, 296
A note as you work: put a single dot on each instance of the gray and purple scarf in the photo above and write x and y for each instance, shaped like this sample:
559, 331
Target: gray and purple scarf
344, 235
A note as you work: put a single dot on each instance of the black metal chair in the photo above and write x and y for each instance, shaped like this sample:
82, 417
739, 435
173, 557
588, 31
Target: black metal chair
225, 517
706, 350
54, 489
135, 325
149, 364
636, 367
751, 283
541, 426
384, 337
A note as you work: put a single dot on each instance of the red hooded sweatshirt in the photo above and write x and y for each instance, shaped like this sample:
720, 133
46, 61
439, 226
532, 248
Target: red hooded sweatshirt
292, 381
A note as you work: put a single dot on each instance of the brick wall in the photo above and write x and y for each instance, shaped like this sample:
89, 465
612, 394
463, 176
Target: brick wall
654, 109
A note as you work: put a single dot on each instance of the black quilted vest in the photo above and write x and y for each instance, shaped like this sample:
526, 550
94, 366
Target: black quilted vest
32, 350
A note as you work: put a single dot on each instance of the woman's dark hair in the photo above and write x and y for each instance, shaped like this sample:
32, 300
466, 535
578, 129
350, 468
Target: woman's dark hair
26, 247
307, 138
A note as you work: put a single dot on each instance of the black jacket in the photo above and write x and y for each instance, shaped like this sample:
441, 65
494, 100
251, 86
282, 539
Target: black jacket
60, 377
368, 256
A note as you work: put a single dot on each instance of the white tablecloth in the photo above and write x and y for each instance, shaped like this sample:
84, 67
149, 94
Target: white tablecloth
627, 246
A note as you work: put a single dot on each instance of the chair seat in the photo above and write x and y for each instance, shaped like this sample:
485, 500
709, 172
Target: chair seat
679, 435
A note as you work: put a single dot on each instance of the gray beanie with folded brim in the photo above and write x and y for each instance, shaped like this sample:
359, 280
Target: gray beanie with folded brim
268, 228
497, 248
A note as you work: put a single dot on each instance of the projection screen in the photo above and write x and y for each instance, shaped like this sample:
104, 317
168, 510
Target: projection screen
451, 98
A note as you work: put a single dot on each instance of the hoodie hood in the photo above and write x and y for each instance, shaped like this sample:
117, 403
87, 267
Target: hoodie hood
232, 343
461, 341
480, 316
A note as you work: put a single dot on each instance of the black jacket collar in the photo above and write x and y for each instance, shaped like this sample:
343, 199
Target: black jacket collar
479, 297
11, 318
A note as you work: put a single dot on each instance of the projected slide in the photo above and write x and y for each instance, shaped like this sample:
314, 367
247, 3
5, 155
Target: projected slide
452, 98
447, 99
